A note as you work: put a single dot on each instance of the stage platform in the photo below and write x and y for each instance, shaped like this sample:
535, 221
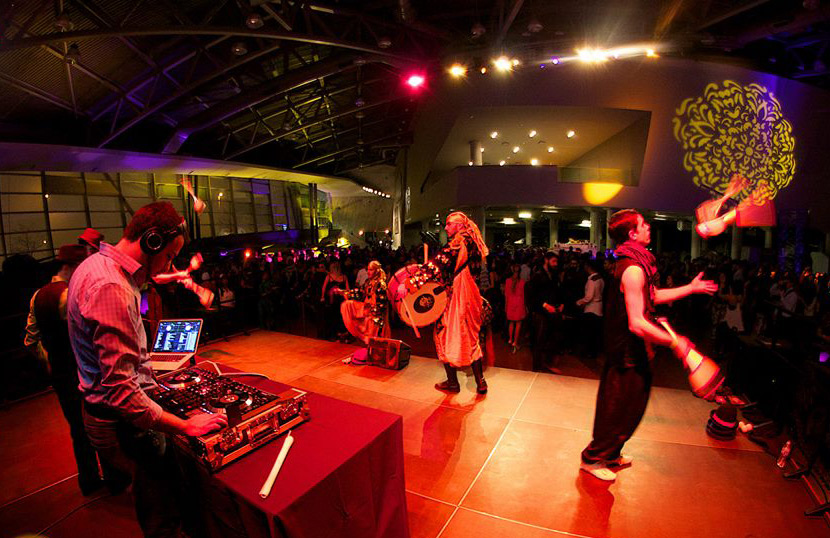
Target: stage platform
504, 464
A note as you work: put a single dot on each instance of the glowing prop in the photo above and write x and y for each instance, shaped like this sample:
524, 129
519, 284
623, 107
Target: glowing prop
272, 476
747, 213
198, 205
183, 277
705, 376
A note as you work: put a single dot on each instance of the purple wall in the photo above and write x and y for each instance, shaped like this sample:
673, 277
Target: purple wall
658, 86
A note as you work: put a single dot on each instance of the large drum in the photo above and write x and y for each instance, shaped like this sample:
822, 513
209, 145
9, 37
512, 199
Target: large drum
418, 308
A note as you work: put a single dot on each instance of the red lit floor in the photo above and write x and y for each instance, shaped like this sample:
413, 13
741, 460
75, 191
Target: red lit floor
502, 465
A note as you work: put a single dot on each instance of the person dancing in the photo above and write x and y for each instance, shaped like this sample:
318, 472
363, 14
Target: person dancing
365, 311
630, 334
457, 332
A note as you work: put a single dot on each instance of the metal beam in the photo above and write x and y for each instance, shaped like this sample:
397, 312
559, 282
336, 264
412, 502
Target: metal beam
185, 90
36, 92
517, 5
347, 112
234, 105
346, 150
238, 31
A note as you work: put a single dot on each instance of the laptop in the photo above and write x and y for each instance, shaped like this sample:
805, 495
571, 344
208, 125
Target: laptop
175, 343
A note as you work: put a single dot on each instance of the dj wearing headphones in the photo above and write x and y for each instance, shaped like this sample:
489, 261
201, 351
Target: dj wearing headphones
126, 427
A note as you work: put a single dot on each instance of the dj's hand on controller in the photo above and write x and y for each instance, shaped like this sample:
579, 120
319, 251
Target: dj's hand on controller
201, 424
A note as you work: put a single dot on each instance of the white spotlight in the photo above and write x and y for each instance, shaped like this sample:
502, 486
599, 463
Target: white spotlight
501, 163
550, 149
534, 162
571, 133
515, 149
494, 134
532, 133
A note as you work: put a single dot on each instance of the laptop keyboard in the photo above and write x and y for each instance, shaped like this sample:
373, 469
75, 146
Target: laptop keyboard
169, 357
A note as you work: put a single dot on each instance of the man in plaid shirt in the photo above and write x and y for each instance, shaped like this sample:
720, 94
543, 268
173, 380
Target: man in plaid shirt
110, 345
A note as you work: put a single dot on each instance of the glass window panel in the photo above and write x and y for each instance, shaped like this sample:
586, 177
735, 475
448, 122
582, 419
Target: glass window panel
26, 243
261, 199
168, 191
66, 202
66, 237
136, 177
64, 184
66, 220
205, 230
138, 203
219, 183
141, 190
105, 219
242, 185
243, 209
104, 203
260, 186
22, 202
99, 185
112, 235
19, 183
167, 179
23, 222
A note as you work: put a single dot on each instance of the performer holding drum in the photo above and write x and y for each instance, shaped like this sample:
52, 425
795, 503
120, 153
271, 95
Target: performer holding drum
630, 334
365, 313
457, 332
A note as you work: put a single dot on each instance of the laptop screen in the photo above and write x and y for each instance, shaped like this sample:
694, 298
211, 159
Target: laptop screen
177, 336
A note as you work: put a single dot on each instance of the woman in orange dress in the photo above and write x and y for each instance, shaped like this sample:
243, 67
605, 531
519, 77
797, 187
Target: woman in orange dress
365, 311
456, 336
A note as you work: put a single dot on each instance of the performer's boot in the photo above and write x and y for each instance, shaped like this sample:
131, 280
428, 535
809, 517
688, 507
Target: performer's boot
481, 383
451, 384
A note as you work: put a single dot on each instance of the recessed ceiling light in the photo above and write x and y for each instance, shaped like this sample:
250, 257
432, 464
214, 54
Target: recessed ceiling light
481, 149
571, 133
494, 134
458, 70
501, 163
550, 149
525, 215
515, 149
470, 163
532, 133
534, 162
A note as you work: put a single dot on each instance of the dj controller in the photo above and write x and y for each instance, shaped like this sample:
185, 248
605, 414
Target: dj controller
255, 416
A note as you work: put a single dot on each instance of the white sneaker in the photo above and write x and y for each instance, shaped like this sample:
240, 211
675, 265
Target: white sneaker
622, 461
598, 470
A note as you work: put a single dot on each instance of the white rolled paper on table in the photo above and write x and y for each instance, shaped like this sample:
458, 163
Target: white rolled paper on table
272, 476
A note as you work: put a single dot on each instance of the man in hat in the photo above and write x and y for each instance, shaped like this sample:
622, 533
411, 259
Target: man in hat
47, 335
91, 239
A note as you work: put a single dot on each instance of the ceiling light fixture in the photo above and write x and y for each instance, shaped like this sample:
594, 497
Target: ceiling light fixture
550, 149
515, 149
503, 64
458, 70
501, 163
525, 215
508, 220
532, 133
571, 133
254, 21
494, 134
534, 162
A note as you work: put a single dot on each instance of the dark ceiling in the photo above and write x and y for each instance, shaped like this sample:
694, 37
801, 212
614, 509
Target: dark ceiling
319, 86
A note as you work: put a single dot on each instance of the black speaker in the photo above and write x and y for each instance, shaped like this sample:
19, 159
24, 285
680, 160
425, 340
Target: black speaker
388, 353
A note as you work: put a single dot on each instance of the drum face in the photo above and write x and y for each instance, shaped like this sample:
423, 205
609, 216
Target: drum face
426, 304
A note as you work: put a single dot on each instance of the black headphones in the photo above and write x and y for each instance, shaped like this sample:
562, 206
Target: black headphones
155, 239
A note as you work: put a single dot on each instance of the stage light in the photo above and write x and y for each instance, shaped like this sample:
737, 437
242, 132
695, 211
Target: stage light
515, 62
501, 163
592, 56
555, 60
458, 70
532, 133
525, 215
416, 81
515, 149
254, 21
585, 224
550, 149
503, 64
508, 220
483, 70
360, 232
571, 133
494, 134
650, 53
599, 193
247, 253
534, 162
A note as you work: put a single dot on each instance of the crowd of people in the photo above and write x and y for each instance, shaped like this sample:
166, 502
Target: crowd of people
551, 302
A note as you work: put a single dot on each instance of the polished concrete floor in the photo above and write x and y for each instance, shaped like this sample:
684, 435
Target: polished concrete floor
504, 464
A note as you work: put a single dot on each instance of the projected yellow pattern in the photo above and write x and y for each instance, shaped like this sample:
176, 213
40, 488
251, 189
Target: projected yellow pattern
736, 129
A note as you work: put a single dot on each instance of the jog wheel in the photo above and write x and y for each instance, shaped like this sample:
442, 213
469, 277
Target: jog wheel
182, 379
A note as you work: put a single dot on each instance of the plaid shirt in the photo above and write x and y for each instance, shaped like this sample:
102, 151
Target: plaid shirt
108, 336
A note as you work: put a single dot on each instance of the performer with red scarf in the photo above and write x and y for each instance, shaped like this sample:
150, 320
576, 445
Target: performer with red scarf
630, 335
457, 333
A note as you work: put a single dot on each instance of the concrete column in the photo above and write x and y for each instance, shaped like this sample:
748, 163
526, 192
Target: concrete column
528, 232
768, 238
695, 248
475, 153
553, 223
479, 216
595, 222
735, 251
608, 213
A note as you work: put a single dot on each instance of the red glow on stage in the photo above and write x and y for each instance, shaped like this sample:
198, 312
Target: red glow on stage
247, 253
416, 81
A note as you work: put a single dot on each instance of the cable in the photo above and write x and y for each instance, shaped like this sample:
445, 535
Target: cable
59, 520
